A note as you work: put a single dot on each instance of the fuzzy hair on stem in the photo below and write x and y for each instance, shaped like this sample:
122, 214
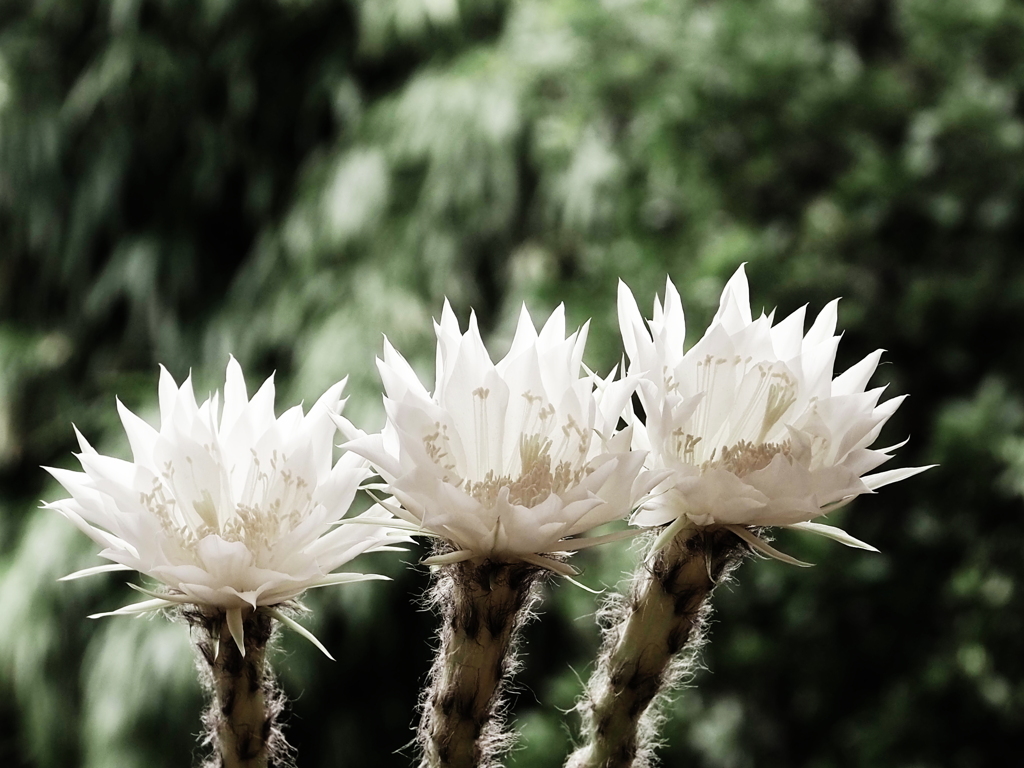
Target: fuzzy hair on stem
483, 606
651, 640
242, 723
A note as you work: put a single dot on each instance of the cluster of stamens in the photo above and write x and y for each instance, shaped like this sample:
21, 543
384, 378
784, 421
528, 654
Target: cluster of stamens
741, 458
774, 394
258, 524
745, 457
536, 482
438, 449
540, 474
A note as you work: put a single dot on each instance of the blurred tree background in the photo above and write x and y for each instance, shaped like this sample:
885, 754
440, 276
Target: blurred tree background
287, 179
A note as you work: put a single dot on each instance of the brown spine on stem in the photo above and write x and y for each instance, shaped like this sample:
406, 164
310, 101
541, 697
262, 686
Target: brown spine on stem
242, 720
650, 641
483, 605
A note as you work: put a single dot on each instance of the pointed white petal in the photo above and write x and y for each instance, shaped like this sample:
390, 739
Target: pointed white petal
94, 570
855, 378
635, 335
583, 586
562, 569
236, 628
299, 629
146, 606
395, 509
168, 396
83, 444
398, 525
141, 436
734, 309
575, 545
665, 537
459, 556
176, 599
347, 578
762, 546
831, 532
880, 479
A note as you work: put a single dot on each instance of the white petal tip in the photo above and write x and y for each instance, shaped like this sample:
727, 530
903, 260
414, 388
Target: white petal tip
450, 558
759, 545
300, 630
669, 533
547, 563
236, 628
94, 571
583, 586
831, 532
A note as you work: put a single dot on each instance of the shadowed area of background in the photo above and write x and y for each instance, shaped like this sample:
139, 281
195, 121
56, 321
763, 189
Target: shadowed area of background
286, 181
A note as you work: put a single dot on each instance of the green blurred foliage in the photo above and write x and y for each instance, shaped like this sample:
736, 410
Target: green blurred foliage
288, 180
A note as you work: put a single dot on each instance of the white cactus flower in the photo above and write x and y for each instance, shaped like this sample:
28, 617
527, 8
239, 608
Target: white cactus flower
749, 422
229, 508
508, 461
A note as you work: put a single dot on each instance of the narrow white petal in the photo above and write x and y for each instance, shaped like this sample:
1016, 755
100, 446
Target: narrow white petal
298, 628
141, 436
236, 628
168, 396
146, 606
631, 325
94, 570
562, 569
450, 558
347, 578
574, 545
674, 332
83, 444
398, 525
855, 378
176, 599
554, 328
831, 532
666, 536
395, 509
236, 398
583, 586
880, 479
765, 548
734, 309
347, 428
827, 509
824, 326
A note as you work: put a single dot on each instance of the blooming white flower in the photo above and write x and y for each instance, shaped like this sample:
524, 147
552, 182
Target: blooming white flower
506, 461
229, 508
750, 423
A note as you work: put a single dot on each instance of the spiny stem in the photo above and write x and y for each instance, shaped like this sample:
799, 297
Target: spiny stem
651, 639
241, 722
483, 606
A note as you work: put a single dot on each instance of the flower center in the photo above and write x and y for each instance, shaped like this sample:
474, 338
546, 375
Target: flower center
540, 476
544, 467
738, 441
745, 457
273, 502
741, 458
